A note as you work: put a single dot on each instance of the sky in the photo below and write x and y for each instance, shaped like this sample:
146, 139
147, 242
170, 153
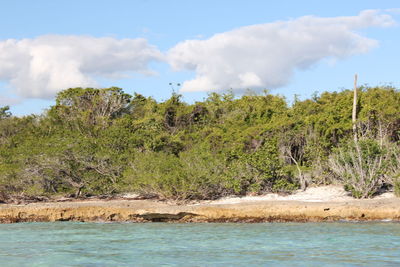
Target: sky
287, 47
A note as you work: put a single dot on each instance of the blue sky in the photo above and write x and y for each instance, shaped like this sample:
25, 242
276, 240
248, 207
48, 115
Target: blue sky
199, 41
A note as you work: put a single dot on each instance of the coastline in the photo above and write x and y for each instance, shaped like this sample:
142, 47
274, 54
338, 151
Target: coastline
266, 208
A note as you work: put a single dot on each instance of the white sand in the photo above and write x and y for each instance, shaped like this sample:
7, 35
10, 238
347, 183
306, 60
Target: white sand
312, 194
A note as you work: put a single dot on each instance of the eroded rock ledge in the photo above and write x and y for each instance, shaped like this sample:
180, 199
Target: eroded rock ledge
154, 211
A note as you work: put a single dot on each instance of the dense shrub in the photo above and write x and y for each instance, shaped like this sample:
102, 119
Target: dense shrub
104, 141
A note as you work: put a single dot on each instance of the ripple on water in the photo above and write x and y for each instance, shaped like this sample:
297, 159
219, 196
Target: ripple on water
122, 244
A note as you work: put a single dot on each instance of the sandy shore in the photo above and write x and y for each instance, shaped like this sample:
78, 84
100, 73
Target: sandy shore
329, 203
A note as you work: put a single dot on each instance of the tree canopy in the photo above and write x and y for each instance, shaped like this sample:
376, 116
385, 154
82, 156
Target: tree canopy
104, 141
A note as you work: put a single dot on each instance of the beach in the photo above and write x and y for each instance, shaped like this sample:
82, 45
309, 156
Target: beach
318, 204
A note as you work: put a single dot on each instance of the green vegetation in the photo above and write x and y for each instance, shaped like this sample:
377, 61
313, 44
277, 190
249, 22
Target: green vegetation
104, 142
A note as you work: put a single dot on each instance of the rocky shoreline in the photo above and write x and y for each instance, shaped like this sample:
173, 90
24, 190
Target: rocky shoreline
246, 211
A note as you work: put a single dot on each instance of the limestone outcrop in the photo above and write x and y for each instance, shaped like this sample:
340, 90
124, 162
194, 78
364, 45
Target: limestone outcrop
156, 211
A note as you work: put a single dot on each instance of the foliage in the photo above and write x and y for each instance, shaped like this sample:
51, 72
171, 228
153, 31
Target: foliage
104, 141
4, 112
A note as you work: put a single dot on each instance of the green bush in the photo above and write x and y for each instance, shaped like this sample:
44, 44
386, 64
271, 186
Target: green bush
189, 176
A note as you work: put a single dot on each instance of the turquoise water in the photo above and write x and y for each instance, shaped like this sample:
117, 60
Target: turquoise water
163, 244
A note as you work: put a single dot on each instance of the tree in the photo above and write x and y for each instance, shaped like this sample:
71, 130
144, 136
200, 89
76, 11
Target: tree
89, 109
4, 112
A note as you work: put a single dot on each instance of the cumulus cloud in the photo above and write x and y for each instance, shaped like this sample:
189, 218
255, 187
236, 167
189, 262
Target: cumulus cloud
6, 101
42, 66
266, 55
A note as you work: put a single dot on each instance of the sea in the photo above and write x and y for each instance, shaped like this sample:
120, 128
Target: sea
200, 244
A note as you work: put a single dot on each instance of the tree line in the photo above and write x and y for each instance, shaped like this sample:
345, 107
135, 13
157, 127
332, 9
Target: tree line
106, 142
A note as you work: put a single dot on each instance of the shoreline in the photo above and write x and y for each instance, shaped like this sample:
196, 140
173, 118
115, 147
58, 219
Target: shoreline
320, 204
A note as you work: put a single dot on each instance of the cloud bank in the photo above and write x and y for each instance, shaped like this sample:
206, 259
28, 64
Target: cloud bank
42, 66
256, 57
266, 55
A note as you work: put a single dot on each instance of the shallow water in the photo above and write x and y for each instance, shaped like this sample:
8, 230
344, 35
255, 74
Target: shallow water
155, 244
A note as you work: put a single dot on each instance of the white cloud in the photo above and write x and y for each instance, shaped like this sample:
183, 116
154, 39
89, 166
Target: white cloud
393, 10
42, 66
7, 101
266, 55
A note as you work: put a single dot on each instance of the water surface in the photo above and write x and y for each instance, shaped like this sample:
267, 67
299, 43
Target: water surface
163, 244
